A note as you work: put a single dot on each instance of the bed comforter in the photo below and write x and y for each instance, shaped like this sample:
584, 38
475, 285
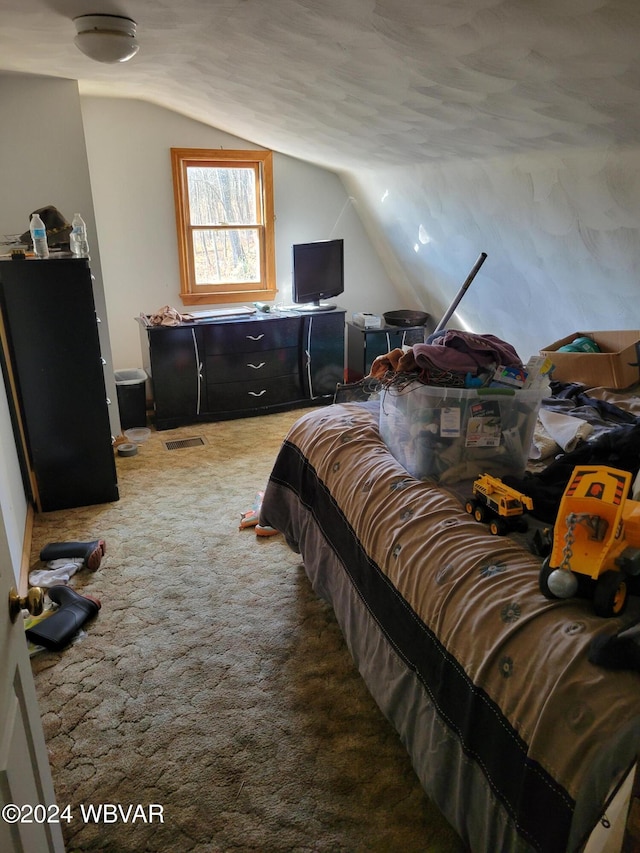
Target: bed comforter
513, 733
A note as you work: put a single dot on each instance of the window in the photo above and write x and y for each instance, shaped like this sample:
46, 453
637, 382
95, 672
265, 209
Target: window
225, 222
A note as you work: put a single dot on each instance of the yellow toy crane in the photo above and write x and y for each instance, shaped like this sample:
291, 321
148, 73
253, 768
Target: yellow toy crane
498, 504
596, 540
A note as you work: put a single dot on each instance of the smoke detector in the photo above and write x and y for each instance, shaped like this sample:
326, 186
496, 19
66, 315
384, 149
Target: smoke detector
106, 38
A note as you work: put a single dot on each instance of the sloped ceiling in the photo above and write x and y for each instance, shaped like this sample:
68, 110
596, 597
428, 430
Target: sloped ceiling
353, 83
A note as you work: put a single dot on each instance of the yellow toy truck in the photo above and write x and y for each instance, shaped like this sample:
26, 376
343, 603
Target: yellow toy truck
596, 540
498, 504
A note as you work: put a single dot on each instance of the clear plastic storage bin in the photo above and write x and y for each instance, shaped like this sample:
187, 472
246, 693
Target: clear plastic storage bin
452, 434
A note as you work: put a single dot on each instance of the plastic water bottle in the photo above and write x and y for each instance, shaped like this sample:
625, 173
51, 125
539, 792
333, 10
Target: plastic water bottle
39, 237
78, 238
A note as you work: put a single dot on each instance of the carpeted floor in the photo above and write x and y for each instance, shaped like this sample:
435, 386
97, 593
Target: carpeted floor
214, 683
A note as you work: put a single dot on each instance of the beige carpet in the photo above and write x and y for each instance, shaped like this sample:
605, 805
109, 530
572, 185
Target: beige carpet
214, 683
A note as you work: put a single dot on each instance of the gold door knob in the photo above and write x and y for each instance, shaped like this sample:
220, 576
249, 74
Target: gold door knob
33, 601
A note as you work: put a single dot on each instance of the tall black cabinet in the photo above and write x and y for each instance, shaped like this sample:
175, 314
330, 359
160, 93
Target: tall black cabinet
54, 375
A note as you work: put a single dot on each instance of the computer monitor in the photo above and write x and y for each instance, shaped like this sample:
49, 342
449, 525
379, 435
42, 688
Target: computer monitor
318, 274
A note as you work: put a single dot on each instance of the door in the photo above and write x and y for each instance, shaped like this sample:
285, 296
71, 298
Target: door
176, 355
25, 777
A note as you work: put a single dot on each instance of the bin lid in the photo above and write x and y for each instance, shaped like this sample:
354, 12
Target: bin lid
130, 376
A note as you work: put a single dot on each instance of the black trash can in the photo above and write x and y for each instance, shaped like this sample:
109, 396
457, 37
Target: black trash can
132, 397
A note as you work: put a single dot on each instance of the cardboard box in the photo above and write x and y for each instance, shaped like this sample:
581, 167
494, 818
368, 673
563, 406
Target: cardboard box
452, 434
616, 366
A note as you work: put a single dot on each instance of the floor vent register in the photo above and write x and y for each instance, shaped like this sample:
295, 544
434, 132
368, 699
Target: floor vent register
179, 443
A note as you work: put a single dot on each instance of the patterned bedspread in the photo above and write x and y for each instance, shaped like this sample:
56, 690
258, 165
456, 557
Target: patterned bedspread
515, 735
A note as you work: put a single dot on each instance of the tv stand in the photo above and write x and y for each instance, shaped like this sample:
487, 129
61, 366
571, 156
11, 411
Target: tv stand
315, 307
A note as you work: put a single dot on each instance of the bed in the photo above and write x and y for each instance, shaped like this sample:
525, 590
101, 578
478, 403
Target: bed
516, 736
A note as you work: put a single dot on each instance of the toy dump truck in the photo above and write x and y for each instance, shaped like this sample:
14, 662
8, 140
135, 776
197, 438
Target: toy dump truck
596, 540
497, 504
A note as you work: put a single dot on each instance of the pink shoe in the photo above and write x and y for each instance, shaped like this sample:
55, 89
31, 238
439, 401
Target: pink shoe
265, 530
250, 517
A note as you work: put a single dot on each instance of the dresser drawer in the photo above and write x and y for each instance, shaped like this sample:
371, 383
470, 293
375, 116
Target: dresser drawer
251, 336
241, 396
250, 367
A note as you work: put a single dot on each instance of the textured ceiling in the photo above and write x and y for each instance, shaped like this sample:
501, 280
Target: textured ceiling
353, 83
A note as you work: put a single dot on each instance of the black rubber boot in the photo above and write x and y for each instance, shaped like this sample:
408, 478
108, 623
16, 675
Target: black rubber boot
56, 631
90, 552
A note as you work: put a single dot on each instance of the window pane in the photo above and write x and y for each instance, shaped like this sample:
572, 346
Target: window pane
224, 196
226, 256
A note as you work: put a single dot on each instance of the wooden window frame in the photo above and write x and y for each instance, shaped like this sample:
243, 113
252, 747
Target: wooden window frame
211, 294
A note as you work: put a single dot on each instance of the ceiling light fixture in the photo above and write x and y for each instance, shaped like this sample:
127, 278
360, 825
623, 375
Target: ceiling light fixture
106, 38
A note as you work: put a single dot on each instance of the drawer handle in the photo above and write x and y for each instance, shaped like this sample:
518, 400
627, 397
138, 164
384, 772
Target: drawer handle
255, 337
258, 393
256, 366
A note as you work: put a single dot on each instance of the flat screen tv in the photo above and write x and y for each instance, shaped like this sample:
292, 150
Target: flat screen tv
318, 274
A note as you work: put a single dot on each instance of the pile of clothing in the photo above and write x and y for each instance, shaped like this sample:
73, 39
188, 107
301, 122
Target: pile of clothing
449, 357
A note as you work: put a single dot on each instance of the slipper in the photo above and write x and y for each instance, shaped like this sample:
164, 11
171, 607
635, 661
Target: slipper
265, 530
250, 517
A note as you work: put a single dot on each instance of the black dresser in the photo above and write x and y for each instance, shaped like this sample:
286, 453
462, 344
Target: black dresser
243, 366
54, 374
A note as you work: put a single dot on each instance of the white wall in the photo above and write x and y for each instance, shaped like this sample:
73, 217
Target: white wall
13, 503
561, 231
128, 145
